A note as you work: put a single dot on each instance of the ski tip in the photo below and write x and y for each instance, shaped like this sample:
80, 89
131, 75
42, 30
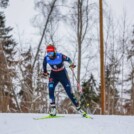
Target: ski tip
48, 117
89, 117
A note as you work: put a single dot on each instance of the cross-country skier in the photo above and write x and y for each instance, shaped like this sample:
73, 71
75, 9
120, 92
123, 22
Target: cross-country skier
58, 74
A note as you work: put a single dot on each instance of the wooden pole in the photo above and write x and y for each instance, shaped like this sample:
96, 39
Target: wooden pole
102, 67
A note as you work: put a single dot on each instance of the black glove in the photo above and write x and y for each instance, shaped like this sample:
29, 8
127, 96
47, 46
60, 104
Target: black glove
72, 66
45, 74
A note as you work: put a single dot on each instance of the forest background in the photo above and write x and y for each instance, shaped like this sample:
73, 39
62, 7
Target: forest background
73, 27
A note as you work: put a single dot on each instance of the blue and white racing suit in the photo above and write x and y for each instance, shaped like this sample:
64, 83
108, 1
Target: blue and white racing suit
58, 74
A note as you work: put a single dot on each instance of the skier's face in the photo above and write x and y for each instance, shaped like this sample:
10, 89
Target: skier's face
50, 54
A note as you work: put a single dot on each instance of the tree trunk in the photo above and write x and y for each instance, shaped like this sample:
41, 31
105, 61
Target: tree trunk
79, 37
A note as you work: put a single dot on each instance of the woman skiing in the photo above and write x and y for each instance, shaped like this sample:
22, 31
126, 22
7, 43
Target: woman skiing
58, 74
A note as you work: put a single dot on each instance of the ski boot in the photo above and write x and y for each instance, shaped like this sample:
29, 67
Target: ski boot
52, 111
80, 111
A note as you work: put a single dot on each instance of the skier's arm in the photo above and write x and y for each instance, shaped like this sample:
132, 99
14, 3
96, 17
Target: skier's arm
45, 65
45, 73
65, 58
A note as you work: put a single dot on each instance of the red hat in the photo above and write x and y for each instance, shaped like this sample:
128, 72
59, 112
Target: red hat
50, 48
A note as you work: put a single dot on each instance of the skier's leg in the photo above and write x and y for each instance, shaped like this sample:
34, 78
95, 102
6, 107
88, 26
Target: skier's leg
67, 86
52, 84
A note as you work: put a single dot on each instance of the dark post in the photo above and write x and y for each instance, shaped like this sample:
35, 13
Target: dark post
102, 67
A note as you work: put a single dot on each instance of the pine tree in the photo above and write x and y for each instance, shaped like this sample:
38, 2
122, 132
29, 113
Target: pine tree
111, 90
7, 64
90, 98
130, 78
26, 91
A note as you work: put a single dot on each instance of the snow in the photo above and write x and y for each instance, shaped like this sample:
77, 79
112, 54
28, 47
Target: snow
71, 124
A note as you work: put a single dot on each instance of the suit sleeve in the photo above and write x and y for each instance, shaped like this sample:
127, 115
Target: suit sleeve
66, 58
44, 65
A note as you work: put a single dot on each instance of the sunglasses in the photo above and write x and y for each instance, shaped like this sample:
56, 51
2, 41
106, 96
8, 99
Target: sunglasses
50, 53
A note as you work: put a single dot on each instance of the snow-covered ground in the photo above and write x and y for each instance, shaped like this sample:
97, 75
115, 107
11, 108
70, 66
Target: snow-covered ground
70, 124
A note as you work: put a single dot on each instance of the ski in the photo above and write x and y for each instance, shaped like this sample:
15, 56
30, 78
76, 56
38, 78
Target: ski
88, 116
48, 117
58, 116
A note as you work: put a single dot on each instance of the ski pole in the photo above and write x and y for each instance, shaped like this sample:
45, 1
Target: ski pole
78, 84
80, 88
